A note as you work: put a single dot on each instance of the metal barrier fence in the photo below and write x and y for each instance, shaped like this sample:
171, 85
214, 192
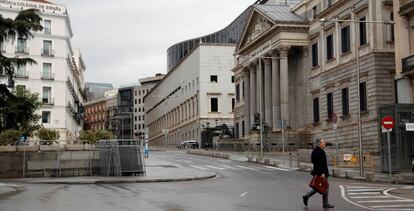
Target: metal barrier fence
108, 158
350, 161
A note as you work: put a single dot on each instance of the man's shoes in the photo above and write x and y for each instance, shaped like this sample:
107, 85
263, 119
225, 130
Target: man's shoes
328, 206
305, 200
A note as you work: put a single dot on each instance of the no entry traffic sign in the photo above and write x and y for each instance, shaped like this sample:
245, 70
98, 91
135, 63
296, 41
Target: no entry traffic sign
387, 122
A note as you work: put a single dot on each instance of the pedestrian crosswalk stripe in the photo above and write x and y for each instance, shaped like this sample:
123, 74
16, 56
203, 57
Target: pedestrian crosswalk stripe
384, 201
244, 167
366, 193
358, 187
280, 169
370, 197
214, 167
198, 167
394, 205
366, 190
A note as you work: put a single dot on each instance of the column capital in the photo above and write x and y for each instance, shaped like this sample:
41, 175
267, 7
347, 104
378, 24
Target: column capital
267, 60
305, 51
283, 50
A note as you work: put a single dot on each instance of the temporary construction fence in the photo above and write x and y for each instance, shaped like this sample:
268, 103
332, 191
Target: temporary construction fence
107, 158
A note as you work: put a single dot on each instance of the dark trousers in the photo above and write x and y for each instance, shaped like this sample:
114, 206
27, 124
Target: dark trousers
324, 196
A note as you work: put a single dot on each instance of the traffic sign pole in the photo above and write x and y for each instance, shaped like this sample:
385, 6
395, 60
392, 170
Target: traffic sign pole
388, 123
389, 152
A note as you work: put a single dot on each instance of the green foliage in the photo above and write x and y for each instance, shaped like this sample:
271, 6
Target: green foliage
94, 137
48, 135
18, 112
10, 137
21, 27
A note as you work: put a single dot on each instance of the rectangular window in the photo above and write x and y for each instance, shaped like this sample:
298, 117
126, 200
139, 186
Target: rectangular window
329, 47
243, 89
392, 26
46, 117
135, 101
329, 105
315, 59
362, 31
21, 70
345, 39
47, 48
233, 104
243, 127
213, 104
213, 78
135, 118
232, 79
47, 27
47, 71
47, 95
315, 110
345, 102
20, 89
238, 92
314, 12
21, 46
363, 96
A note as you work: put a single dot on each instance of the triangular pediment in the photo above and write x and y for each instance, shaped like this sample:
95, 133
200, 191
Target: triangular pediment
258, 24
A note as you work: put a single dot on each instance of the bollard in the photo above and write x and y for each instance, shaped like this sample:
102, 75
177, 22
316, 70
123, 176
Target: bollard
298, 161
290, 159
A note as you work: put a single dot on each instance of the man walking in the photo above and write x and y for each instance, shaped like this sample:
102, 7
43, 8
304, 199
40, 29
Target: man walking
320, 168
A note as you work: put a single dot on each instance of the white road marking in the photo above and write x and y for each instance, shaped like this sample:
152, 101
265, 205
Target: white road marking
365, 193
358, 187
244, 167
214, 167
243, 194
369, 197
384, 201
366, 190
280, 169
346, 199
224, 161
229, 167
199, 167
395, 205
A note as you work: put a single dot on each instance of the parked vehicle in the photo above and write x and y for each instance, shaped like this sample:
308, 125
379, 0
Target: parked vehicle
189, 144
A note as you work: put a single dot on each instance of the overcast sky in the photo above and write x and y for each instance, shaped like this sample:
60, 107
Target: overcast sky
122, 41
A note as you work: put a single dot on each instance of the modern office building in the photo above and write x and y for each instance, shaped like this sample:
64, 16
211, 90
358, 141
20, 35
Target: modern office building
96, 90
307, 81
145, 85
58, 74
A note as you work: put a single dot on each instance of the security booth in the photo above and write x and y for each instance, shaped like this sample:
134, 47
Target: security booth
402, 137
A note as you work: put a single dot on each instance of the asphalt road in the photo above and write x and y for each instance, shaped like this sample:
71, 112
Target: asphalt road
239, 186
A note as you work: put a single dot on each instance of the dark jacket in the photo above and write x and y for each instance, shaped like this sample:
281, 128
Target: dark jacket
320, 165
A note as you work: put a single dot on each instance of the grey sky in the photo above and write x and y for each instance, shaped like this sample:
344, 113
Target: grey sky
122, 41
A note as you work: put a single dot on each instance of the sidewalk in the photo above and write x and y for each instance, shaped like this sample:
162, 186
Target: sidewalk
157, 170
282, 160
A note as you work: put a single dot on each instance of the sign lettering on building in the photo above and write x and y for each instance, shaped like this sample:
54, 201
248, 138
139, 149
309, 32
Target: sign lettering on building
49, 8
409, 126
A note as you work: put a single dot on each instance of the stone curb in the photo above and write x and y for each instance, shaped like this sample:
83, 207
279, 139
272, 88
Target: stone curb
103, 181
208, 153
6, 189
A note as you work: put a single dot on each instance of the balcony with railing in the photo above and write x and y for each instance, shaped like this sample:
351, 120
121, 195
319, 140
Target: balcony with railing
408, 64
48, 101
22, 50
406, 7
48, 76
48, 52
21, 74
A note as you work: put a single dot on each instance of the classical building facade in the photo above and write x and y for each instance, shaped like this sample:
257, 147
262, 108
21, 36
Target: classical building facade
196, 93
306, 76
58, 74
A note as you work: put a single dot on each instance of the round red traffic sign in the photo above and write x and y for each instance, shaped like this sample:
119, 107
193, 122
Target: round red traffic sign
387, 122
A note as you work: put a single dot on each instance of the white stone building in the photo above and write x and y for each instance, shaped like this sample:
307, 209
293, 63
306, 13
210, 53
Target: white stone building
58, 74
198, 92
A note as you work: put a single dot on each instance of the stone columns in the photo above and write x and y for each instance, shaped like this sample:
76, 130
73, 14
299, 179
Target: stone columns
275, 93
259, 85
252, 95
246, 99
284, 84
268, 92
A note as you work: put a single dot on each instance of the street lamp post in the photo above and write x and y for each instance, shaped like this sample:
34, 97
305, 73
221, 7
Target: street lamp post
355, 22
